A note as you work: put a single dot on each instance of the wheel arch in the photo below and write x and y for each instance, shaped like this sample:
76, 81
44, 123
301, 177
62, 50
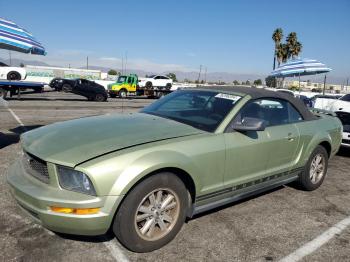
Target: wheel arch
327, 145
323, 140
180, 173
184, 176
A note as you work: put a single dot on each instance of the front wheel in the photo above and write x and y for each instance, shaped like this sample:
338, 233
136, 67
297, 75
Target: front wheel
67, 88
315, 169
152, 213
122, 93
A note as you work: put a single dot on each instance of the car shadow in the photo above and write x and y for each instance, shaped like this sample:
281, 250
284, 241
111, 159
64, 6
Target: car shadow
7, 139
91, 239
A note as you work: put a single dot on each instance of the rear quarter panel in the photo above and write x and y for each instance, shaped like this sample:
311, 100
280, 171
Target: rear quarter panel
312, 133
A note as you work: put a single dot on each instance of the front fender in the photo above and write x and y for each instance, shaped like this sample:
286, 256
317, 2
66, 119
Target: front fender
147, 164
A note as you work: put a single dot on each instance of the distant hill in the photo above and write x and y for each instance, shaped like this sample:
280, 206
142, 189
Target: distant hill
210, 77
17, 62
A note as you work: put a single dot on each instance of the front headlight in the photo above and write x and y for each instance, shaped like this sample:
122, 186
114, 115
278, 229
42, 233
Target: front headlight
74, 180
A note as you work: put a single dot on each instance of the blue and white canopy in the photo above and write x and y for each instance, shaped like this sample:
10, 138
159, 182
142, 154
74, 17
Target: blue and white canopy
300, 67
13, 37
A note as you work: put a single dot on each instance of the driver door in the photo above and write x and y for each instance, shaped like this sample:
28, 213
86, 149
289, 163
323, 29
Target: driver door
246, 154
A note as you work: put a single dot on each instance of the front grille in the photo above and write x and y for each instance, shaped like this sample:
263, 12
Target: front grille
36, 167
346, 141
345, 119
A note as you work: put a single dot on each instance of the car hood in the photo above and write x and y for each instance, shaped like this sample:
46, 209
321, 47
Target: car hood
73, 142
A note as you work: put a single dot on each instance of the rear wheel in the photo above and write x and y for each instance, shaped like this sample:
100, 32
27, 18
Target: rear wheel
100, 98
152, 213
168, 86
13, 76
148, 84
315, 169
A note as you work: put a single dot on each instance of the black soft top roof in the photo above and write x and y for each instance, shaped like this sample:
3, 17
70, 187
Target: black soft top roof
256, 93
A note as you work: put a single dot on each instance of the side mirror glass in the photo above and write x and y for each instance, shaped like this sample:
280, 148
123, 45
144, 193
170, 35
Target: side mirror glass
250, 124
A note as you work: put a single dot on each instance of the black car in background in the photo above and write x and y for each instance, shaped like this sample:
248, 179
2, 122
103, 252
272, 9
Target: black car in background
91, 90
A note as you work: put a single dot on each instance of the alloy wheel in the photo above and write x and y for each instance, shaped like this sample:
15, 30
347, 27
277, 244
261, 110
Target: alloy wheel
157, 214
317, 168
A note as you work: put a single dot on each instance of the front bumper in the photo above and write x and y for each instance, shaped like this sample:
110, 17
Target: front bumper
36, 197
346, 139
113, 92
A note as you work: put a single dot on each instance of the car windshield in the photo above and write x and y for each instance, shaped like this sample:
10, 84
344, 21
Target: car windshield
3, 64
345, 98
151, 76
204, 110
121, 79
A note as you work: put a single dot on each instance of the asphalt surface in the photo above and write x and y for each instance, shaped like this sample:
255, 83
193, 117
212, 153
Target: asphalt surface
263, 228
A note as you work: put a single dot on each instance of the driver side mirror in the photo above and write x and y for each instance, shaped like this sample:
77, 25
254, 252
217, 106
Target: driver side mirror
249, 124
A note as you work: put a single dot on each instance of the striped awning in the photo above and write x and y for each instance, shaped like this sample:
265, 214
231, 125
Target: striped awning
13, 37
300, 67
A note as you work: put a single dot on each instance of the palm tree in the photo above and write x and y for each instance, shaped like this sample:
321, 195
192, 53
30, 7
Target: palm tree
282, 52
294, 46
277, 37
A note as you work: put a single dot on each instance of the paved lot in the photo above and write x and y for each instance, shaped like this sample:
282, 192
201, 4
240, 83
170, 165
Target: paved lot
264, 228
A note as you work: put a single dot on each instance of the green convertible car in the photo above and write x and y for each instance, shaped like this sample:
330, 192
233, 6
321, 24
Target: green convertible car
141, 175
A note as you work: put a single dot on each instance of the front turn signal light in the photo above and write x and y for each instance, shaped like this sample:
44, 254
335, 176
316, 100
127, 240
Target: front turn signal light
75, 211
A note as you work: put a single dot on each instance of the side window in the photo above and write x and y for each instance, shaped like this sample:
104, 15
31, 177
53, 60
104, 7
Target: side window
157, 77
294, 115
274, 111
130, 80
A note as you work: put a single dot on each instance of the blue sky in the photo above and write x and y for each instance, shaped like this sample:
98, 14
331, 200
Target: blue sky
227, 36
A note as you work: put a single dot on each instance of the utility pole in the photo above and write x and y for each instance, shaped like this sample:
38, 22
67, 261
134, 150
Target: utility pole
205, 75
10, 57
347, 84
126, 60
324, 84
87, 62
200, 71
122, 64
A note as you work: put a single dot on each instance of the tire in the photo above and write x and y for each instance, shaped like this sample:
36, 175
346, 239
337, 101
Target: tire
13, 76
160, 94
168, 86
3, 93
314, 174
100, 98
66, 88
129, 231
122, 93
148, 84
